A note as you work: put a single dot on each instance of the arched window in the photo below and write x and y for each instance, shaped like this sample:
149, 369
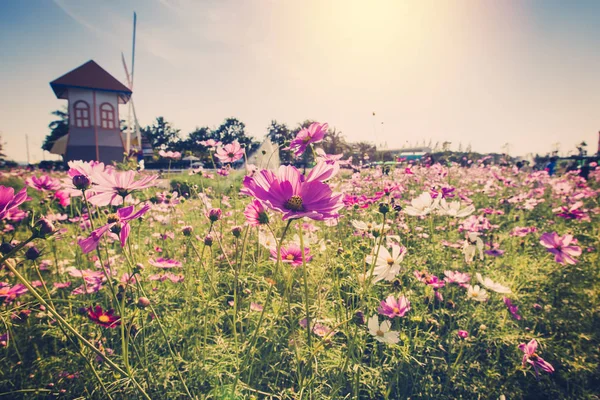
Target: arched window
107, 116
81, 109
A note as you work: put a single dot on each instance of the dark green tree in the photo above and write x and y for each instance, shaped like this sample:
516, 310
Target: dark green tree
58, 128
334, 142
233, 129
281, 136
161, 134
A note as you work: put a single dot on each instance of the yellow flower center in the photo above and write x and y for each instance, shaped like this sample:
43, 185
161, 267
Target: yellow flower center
104, 318
289, 257
396, 310
390, 261
379, 333
294, 203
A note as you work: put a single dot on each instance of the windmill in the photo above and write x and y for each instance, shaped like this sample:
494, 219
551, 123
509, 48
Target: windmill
134, 137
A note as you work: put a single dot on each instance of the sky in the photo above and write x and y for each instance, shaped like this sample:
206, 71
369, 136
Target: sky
482, 73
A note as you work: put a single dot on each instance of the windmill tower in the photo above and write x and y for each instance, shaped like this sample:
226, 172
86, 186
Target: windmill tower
94, 97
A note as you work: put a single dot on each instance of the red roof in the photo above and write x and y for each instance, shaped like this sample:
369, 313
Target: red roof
90, 76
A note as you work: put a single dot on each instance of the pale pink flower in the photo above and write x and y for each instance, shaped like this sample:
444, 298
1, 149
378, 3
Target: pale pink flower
561, 246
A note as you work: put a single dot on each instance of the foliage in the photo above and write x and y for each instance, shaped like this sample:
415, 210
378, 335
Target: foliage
58, 128
161, 134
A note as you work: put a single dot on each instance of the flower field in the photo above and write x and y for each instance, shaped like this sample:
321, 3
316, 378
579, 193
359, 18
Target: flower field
418, 281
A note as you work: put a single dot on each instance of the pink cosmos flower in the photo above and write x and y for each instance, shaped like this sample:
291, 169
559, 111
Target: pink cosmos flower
111, 187
460, 278
572, 212
522, 231
9, 293
164, 263
230, 152
531, 357
117, 223
166, 276
64, 199
313, 134
560, 246
44, 182
9, 202
175, 155
394, 308
463, 334
295, 195
292, 254
256, 214
210, 143
429, 279
514, 310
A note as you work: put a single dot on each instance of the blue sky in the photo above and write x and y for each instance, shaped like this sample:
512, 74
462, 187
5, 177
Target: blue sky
483, 73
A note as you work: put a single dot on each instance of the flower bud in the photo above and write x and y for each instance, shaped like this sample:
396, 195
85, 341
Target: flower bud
6, 247
236, 231
187, 230
143, 302
81, 182
214, 214
208, 240
384, 208
32, 253
43, 227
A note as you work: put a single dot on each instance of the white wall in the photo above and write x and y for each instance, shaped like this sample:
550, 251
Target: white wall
101, 97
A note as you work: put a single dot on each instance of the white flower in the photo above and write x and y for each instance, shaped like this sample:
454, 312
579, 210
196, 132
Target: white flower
422, 205
452, 209
369, 227
267, 240
387, 265
472, 245
490, 284
382, 333
477, 293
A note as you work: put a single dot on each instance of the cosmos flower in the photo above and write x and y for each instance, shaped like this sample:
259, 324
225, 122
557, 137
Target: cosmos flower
453, 209
491, 285
387, 265
429, 279
520, 231
460, 278
166, 276
9, 293
514, 310
117, 223
107, 319
9, 202
382, 332
476, 293
292, 254
164, 263
111, 187
393, 307
422, 205
44, 182
313, 134
230, 152
530, 357
293, 194
210, 143
560, 246
256, 214
175, 155
462, 334
471, 246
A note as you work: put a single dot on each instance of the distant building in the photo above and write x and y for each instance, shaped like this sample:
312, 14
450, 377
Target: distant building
412, 153
94, 125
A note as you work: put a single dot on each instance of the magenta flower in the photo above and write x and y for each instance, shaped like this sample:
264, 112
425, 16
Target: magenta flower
230, 152
293, 194
117, 223
514, 310
210, 143
292, 254
561, 247
44, 182
256, 214
531, 357
572, 212
393, 307
522, 231
460, 278
429, 279
9, 202
462, 334
9, 293
175, 155
112, 186
313, 134
164, 263
166, 276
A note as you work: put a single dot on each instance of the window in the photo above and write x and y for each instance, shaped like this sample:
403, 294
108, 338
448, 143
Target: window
81, 110
107, 116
